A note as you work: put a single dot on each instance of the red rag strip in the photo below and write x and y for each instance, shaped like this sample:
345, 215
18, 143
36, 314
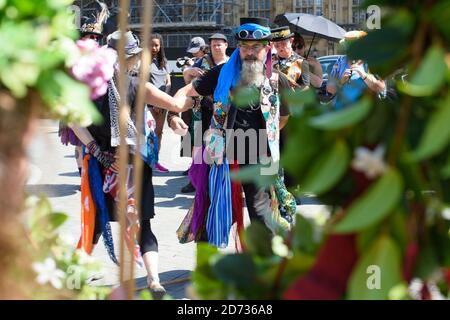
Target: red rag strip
237, 204
327, 280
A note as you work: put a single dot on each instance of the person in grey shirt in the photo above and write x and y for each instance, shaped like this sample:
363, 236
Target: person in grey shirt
160, 78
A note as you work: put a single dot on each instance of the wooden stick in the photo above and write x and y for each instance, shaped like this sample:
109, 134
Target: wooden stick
123, 149
140, 106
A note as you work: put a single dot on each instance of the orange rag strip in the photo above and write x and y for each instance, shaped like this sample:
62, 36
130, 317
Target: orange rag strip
87, 210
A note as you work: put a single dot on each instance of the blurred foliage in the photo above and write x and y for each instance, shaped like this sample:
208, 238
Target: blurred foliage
396, 200
72, 269
37, 40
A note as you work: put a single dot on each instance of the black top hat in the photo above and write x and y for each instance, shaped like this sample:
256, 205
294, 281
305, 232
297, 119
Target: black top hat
261, 21
281, 33
257, 35
131, 43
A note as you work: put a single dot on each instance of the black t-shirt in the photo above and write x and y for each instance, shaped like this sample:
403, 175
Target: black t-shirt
102, 132
245, 118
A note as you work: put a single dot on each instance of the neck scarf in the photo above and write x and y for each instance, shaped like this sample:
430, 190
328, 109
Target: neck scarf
114, 101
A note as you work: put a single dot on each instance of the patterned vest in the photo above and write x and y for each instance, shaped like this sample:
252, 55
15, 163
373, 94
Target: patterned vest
270, 108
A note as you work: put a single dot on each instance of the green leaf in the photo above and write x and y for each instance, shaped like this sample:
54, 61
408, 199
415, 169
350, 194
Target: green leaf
327, 170
207, 287
204, 280
377, 271
366, 237
145, 295
398, 228
244, 97
236, 269
258, 240
303, 235
263, 176
399, 292
383, 49
298, 265
301, 134
427, 262
429, 76
445, 171
296, 99
68, 98
344, 118
437, 132
440, 16
50, 222
374, 205
41, 209
204, 253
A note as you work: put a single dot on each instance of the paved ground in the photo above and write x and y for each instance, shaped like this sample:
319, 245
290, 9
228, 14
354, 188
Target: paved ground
53, 171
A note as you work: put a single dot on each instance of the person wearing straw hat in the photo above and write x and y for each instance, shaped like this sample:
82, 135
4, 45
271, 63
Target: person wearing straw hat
287, 61
218, 201
100, 165
350, 78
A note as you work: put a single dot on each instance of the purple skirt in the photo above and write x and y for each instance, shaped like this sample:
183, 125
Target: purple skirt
68, 136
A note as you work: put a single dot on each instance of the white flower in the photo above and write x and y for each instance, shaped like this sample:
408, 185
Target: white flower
446, 213
416, 286
370, 162
279, 248
414, 289
47, 272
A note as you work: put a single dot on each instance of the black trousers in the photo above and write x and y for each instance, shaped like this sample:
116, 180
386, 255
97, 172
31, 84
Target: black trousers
147, 243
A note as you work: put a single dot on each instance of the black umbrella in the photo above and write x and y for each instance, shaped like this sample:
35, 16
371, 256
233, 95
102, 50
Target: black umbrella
308, 24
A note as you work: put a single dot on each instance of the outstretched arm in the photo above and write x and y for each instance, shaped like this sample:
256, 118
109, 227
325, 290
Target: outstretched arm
187, 91
156, 97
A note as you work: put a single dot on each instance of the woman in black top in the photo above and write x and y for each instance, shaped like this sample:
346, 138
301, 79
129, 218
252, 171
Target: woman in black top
101, 143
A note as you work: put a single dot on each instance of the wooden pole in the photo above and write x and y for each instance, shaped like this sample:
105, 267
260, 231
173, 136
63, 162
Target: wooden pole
123, 148
140, 109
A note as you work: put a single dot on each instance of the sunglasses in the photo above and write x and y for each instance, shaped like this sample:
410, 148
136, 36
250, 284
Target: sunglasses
93, 37
253, 35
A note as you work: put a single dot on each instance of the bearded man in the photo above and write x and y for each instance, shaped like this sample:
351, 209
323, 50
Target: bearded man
234, 138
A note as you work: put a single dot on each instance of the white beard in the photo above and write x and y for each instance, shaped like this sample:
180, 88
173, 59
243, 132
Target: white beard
252, 73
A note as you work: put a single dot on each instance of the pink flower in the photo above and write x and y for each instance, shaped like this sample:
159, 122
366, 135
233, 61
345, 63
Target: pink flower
95, 66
